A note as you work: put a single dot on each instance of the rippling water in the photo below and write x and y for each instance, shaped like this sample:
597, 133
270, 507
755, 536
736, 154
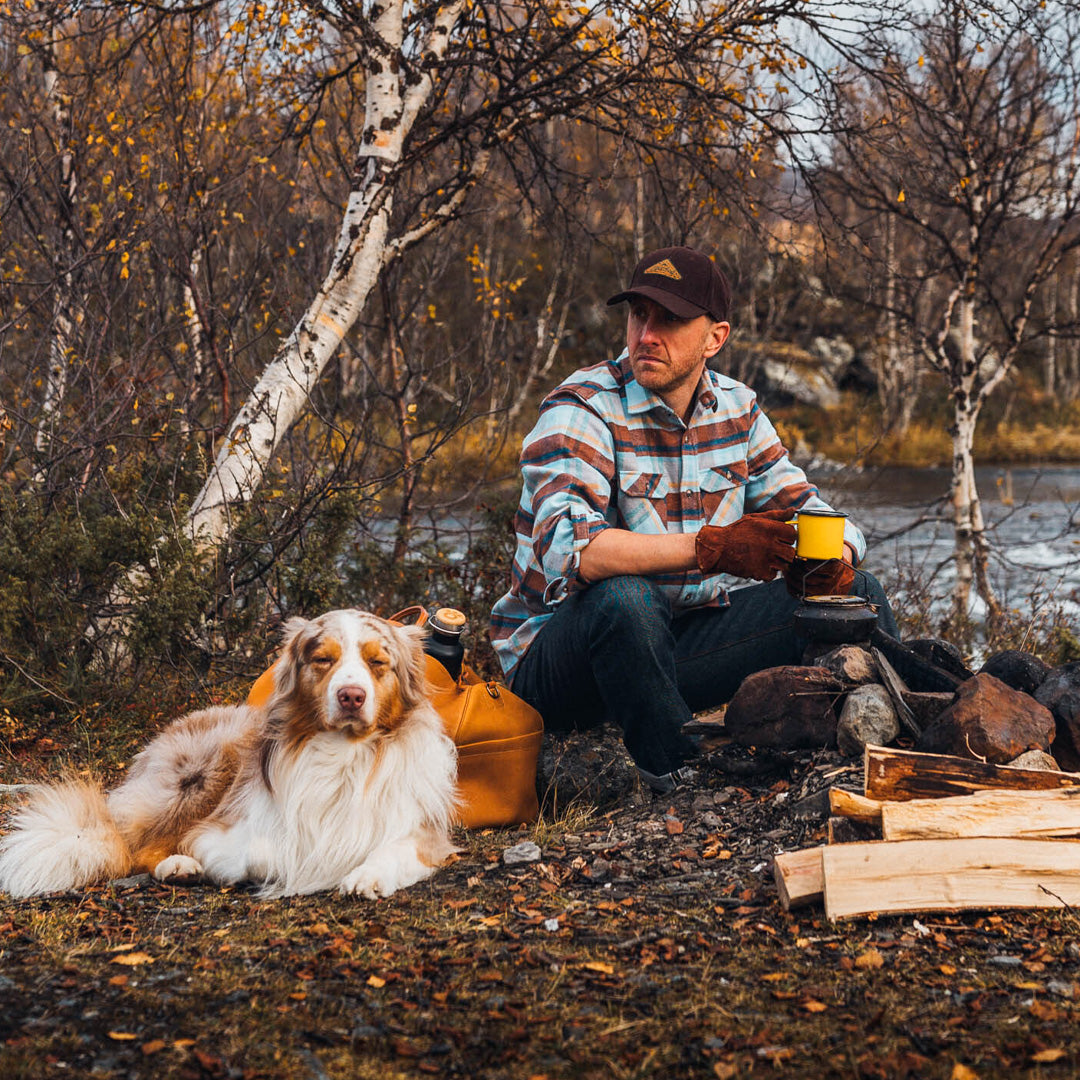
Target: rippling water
1033, 515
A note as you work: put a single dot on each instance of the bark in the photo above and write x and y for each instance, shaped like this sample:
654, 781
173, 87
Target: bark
972, 548
65, 308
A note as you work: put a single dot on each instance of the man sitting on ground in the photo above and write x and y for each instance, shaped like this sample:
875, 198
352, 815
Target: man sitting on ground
644, 480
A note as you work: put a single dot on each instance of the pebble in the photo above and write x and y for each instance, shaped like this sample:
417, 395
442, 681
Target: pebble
1006, 961
525, 852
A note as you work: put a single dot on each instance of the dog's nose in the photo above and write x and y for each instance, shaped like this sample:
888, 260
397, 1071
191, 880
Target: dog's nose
352, 698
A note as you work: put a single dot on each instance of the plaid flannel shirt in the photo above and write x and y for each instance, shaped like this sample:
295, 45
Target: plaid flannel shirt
606, 452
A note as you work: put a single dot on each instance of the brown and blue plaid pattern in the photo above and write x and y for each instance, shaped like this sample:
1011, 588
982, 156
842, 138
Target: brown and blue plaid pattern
605, 452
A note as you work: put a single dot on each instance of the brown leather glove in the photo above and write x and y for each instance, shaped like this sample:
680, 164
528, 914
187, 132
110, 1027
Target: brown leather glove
807, 577
755, 546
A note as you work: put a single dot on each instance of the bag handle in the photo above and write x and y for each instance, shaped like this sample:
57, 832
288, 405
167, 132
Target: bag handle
415, 615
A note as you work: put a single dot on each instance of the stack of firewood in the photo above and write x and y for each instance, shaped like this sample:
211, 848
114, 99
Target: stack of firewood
954, 834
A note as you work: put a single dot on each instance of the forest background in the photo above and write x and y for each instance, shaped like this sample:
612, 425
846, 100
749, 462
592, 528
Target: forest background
282, 283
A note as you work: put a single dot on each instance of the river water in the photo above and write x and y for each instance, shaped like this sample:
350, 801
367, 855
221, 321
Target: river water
1033, 519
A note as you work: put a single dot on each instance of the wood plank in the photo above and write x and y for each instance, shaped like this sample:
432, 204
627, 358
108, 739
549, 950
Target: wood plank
799, 878
1031, 814
904, 774
896, 690
949, 875
850, 804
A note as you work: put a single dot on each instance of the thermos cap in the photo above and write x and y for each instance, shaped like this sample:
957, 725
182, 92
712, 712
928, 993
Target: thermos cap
448, 618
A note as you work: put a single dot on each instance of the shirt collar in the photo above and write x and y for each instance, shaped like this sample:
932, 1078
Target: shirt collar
639, 400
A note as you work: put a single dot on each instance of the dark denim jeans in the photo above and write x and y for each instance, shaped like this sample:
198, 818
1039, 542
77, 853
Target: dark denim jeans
614, 651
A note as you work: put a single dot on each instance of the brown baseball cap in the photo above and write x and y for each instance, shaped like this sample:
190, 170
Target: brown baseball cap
685, 281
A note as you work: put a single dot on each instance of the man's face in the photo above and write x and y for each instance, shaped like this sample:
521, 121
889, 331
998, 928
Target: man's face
668, 353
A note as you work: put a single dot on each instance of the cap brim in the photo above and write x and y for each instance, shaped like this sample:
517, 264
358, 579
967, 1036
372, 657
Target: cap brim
675, 304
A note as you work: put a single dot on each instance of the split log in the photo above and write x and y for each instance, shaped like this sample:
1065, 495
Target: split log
904, 774
849, 804
1030, 814
949, 875
799, 877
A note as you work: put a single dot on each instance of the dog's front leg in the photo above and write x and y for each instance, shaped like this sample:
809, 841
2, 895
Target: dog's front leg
392, 866
228, 853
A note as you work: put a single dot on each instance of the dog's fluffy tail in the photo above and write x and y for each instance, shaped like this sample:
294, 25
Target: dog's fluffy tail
63, 838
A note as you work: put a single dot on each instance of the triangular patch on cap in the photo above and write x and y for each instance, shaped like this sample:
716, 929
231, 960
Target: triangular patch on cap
665, 267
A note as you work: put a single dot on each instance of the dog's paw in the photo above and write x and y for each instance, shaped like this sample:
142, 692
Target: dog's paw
178, 869
368, 881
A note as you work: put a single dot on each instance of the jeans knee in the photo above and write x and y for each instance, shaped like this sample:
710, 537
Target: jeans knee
868, 586
628, 596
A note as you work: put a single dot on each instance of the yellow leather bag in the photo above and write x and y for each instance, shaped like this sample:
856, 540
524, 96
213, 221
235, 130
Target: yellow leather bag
497, 737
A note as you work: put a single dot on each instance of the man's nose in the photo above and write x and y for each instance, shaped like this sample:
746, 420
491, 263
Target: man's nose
650, 328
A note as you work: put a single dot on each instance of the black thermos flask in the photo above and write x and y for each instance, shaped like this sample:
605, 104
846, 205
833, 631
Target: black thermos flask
444, 639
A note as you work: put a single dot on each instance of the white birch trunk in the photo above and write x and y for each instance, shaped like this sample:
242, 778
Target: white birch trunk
972, 549
64, 307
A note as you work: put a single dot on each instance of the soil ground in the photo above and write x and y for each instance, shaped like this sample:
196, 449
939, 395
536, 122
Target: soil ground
646, 940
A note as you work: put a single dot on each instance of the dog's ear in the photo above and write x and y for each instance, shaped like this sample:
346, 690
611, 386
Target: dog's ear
410, 664
285, 672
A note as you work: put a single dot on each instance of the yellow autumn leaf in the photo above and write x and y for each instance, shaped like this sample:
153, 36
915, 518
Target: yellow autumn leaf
132, 959
122, 1036
1048, 1057
962, 1072
869, 960
374, 980
600, 966
901, 197
813, 1006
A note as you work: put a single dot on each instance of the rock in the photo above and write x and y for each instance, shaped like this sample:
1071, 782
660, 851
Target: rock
586, 767
787, 708
926, 708
851, 664
1035, 759
1020, 670
1060, 693
868, 716
943, 654
525, 852
921, 675
784, 382
991, 722
835, 354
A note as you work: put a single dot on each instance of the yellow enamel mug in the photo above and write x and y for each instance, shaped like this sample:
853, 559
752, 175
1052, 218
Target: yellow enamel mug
820, 534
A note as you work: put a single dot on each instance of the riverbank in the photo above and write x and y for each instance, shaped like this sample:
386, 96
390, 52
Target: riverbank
852, 433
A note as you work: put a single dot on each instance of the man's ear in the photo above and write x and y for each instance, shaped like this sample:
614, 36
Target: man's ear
717, 336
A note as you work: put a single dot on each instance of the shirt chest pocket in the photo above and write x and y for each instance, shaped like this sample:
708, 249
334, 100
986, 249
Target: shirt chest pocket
642, 501
723, 491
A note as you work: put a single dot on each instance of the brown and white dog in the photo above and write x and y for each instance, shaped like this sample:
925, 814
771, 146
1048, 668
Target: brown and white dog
345, 779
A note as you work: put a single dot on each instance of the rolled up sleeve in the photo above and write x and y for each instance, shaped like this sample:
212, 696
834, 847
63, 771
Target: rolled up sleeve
567, 465
776, 482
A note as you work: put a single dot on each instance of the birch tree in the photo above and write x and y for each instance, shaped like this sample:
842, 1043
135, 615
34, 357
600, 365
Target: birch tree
447, 88
961, 128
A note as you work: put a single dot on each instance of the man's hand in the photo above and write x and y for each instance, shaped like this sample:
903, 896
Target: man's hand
806, 577
756, 546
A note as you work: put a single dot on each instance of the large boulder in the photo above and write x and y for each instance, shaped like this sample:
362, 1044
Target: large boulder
785, 708
1060, 693
991, 722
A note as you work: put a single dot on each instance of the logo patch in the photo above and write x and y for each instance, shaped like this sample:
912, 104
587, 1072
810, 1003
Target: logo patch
666, 268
